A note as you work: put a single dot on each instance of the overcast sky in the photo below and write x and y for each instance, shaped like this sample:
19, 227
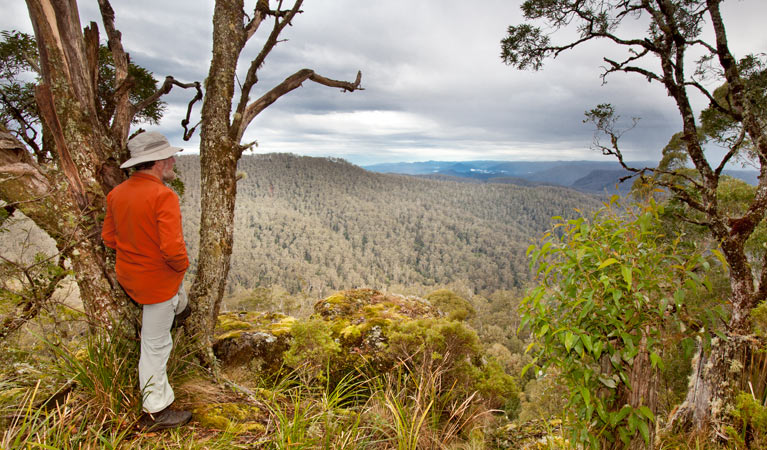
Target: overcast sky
435, 87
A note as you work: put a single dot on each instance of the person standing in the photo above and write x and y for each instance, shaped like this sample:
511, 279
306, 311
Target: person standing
143, 225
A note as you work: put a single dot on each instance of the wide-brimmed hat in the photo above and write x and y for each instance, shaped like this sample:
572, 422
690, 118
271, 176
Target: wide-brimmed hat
149, 146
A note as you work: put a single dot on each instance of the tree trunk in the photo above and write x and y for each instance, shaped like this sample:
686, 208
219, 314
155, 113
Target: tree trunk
642, 390
72, 205
218, 166
723, 370
730, 366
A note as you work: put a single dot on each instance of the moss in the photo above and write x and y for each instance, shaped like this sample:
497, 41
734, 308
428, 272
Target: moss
236, 418
351, 332
759, 319
338, 325
283, 326
233, 325
337, 299
749, 429
229, 324
234, 334
534, 434
312, 348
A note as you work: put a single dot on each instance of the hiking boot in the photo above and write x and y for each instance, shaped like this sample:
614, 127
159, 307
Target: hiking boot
180, 318
167, 418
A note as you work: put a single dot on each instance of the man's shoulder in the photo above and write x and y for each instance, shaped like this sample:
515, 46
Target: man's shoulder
141, 186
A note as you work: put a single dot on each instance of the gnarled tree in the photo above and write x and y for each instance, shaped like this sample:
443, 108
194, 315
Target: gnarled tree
221, 134
63, 187
661, 55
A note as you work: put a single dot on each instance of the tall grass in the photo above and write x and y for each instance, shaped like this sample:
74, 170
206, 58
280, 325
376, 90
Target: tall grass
419, 412
63, 426
327, 417
105, 371
102, 408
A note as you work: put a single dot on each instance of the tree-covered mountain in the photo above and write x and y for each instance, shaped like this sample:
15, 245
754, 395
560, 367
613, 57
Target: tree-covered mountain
317, 225
585, 176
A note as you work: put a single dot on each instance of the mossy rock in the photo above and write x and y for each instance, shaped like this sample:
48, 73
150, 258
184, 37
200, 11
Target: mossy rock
360, 319
361, 303
236, 418
364, 330
258, 337
367, 330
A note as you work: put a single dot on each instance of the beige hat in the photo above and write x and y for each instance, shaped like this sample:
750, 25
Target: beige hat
149, 146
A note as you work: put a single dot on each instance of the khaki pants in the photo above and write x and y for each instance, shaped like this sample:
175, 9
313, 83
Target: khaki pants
156, 344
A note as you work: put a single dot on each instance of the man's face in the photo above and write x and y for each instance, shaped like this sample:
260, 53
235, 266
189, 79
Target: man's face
168, 174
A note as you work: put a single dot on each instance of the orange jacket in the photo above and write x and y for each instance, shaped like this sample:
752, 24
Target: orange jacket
143, 224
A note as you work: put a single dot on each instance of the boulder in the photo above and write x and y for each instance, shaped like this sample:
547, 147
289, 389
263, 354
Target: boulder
256, 338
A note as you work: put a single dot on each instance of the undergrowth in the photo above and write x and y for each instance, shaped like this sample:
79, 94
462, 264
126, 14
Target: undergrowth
84, 394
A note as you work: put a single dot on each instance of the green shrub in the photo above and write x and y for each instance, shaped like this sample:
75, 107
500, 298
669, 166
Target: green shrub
312, 347
544, 398
453, 347
499, 389
750, 430
454, 306
611, 291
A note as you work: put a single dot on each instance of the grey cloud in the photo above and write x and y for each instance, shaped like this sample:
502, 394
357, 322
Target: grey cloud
433, 62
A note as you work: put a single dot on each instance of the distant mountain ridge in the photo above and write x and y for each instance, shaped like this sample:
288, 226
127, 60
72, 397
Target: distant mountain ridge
585, 176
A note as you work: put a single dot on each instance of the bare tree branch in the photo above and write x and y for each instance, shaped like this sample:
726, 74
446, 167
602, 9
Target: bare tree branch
259, 13
292, 82
741, 227
252, 76
33, 301
703, 43
25, 127
165, 89
733, 150
619, 67
713, 102
123, 81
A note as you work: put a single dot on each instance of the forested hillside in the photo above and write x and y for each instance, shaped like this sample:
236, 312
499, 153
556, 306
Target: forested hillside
317, 225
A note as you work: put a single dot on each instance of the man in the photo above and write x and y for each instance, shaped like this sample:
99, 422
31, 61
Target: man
143, 224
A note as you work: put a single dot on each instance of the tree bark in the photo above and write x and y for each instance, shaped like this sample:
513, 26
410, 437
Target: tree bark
643, 382
67, 102
218, 165
641, 390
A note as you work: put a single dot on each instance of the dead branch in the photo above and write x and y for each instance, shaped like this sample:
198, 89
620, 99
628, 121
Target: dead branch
252, 76
91, 37
292, 82
184, 123
733, 150
166, 88
121, 59
31, 304
259, 13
